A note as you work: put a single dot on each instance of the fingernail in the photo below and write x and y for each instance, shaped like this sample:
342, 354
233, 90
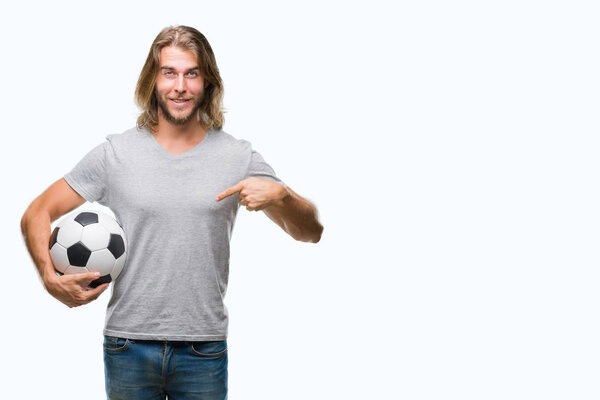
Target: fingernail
97, 273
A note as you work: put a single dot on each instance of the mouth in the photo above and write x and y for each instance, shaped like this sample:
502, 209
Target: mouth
180, 102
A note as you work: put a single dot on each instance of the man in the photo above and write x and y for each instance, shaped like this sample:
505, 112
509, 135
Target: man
175, 183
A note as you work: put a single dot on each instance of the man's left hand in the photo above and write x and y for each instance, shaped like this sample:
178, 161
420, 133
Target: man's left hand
256, 193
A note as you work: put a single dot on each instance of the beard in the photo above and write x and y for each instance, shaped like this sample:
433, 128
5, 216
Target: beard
184, 119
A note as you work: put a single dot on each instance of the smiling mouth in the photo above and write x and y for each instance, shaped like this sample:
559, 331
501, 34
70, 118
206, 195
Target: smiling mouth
180, 101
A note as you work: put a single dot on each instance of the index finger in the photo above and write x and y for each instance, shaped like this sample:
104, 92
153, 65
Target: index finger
229, 192
86, 277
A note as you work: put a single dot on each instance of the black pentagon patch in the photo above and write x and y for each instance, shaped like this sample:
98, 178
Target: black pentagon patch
53, 237
103, 279
78, 254
87, 218
116, 245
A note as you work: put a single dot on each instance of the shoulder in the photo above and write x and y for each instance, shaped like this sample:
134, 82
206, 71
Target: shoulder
121, 146
127, 142
127, 138
230, 143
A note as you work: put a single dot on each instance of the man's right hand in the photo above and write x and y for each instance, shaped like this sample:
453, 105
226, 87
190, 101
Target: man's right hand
73, 290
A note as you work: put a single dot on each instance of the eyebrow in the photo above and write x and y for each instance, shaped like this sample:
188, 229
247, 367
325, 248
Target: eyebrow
173, 68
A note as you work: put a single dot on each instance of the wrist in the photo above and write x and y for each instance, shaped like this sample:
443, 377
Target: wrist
285, 198
49, 277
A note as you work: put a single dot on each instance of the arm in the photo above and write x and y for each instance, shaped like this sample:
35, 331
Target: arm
294, 214
56, 201
297, 216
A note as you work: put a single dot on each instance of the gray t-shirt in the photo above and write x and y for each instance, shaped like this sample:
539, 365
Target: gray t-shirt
175, 278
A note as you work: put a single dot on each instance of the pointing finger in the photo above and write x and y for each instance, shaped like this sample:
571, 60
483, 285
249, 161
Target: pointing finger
229, 192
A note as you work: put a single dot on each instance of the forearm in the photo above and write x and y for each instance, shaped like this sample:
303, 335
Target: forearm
35, 227
299, 217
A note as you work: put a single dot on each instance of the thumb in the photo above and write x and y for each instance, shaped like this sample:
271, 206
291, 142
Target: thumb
93, 294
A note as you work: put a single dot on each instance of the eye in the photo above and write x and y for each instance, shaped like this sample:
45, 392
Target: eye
193, 74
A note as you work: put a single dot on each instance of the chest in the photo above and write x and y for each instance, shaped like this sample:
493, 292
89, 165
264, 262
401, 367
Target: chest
155, 188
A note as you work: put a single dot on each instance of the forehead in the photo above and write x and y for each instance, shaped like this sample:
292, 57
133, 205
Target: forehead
177, 57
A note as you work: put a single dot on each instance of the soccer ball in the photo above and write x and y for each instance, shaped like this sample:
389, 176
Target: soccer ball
89, 241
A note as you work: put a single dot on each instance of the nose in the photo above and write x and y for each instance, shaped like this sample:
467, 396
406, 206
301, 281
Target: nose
180, 85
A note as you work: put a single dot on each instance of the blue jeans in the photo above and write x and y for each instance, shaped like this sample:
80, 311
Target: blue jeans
152, 370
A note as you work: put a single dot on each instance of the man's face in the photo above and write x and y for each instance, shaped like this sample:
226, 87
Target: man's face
179, 85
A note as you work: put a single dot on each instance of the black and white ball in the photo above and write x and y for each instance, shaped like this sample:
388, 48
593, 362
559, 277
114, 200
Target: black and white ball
89, 241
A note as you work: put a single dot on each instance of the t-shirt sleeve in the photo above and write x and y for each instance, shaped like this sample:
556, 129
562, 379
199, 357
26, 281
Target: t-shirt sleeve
259, 168
88, 177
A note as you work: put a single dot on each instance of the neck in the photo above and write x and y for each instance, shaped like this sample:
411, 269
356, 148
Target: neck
191, 130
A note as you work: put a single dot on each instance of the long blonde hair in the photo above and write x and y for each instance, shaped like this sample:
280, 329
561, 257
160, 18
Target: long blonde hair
211, 109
